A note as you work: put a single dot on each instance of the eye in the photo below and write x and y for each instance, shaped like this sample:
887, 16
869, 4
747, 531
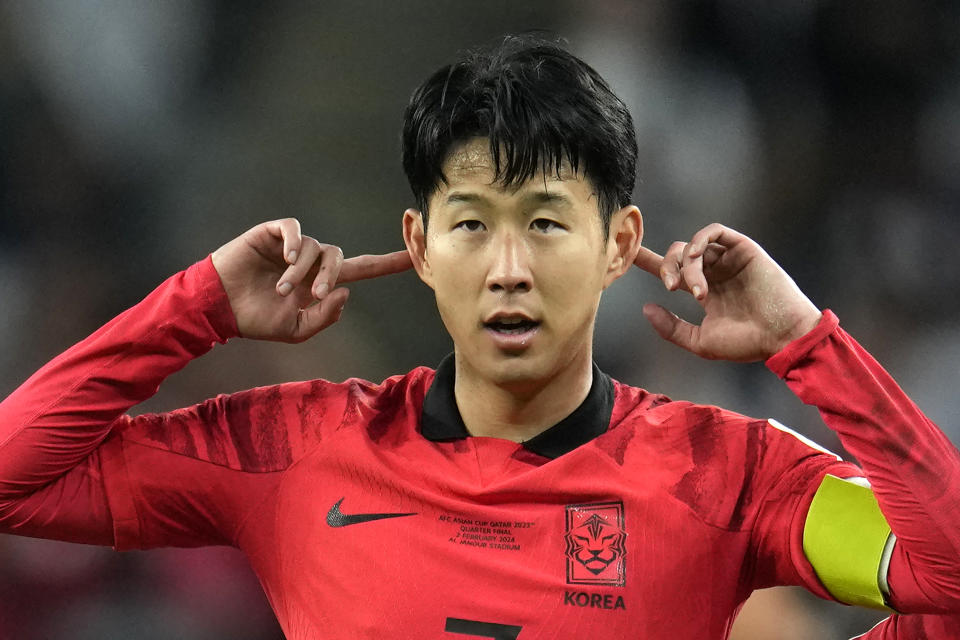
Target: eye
545, 225
469, 225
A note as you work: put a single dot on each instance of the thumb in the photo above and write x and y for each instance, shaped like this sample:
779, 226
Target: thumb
672, 328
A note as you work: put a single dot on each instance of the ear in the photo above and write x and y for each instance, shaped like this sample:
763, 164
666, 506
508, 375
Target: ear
623, 242
415, 237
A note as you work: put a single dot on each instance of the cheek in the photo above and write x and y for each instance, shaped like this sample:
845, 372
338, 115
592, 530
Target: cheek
576, 283
452, 276
452, 284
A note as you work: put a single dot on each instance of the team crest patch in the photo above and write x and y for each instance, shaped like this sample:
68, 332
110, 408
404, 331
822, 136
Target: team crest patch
596, 544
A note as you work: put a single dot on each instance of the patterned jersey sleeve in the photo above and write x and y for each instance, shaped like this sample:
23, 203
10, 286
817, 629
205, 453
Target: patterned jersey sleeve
787, 478
73, 467
912, 468
194, 476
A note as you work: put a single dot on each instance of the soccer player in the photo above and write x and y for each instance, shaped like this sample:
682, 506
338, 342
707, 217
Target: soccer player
516, 491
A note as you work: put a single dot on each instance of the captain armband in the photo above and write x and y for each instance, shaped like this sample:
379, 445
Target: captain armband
848, 542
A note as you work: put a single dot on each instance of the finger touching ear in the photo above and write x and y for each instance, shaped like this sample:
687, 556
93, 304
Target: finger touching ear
414, 236
623, 242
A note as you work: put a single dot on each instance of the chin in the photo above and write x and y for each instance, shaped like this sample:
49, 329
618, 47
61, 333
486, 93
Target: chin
515, 370
520, 370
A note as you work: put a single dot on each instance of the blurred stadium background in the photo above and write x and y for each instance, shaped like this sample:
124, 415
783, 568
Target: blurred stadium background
136, 137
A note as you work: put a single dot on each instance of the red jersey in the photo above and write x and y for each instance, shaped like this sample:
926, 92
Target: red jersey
367, 511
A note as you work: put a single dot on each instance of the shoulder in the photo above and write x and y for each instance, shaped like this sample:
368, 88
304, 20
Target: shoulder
708, 433
395, 388
268, 428
717, 462
322, 402
662, 419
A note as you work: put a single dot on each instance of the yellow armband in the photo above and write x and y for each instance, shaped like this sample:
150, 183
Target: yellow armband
845, 538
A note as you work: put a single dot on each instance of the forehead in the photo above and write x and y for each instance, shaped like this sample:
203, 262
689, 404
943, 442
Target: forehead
469, 159
471, 164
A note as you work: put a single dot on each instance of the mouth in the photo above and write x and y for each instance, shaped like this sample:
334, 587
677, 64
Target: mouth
512, 333
511, 326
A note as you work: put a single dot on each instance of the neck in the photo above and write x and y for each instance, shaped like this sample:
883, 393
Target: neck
520, 411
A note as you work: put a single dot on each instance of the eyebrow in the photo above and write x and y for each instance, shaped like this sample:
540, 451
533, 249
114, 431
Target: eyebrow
536, 197
466, 198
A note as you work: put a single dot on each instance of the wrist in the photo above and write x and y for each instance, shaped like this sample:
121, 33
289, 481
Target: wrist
218, 310
795, 352
799, 327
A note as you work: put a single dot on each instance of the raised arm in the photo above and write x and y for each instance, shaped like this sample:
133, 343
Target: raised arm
52, 476
754, 311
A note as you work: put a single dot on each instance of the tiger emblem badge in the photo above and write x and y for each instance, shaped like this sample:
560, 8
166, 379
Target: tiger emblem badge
596, 544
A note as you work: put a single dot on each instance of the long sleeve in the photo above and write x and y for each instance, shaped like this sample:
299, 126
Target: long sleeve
915, 627
51, 482
913, 469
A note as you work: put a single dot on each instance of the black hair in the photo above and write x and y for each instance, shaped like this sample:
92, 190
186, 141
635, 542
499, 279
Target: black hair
538, 105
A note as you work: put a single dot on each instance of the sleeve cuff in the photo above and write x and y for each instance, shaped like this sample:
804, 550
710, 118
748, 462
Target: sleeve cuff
788, 357
217, 308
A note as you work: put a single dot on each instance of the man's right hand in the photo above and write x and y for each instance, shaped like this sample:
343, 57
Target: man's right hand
282, 285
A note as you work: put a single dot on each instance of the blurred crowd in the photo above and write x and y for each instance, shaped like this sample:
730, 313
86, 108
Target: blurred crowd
137, 137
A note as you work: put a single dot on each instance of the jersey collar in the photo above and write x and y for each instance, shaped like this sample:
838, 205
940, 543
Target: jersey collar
441, 419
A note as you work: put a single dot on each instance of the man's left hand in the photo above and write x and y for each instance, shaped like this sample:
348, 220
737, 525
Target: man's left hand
752, 307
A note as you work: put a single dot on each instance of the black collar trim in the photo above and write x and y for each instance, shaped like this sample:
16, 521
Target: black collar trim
441, 419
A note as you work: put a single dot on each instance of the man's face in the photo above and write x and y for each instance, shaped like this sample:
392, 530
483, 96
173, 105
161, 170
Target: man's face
517, 272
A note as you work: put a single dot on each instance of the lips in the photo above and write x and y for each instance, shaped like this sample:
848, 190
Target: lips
510, 323
511, 332
511, 327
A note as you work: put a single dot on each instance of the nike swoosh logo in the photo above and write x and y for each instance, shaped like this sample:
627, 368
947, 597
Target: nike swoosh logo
337, 518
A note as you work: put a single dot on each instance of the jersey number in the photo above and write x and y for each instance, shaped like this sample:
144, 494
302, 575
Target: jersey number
482, 629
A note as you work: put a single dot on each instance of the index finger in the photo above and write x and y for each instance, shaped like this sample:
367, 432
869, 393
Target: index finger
373, 266
649, 261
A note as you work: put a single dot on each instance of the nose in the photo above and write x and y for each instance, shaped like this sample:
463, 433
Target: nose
510, 269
